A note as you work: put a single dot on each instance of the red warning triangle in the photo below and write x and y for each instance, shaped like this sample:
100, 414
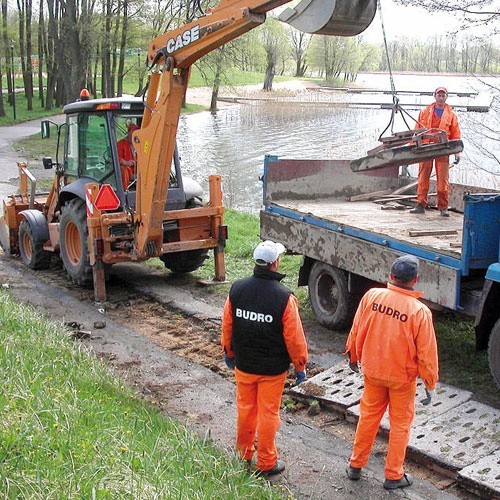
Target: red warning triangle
106, 198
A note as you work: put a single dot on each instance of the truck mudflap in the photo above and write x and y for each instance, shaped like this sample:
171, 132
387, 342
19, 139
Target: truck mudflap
331, 17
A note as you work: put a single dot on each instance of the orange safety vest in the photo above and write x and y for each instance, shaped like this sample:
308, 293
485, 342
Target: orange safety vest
393, 337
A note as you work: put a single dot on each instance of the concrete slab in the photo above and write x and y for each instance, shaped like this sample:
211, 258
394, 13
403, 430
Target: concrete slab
452, 434
337, 388
482, 477
458, 438
448, 397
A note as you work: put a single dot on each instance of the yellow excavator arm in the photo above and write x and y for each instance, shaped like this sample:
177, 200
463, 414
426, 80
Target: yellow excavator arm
170, 57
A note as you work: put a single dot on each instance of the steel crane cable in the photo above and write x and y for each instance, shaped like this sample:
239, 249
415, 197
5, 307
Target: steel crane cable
395, 100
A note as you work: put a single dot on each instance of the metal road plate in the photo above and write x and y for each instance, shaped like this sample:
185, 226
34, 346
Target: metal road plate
482, 477
337, 388
448, 397
459, 437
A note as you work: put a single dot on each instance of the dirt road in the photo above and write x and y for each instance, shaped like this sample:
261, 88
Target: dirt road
172, 358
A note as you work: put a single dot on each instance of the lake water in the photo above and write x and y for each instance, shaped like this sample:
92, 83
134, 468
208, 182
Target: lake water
234, 141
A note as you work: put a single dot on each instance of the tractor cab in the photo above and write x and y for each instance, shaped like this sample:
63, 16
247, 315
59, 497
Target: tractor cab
92, 135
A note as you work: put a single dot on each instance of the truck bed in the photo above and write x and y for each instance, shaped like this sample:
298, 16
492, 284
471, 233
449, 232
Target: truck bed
394, 224
306, 208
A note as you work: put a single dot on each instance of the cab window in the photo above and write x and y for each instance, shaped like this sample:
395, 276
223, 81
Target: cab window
88, 150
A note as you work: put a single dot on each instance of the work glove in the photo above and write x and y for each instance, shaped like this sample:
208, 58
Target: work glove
354, 366
300, 376
457, 159
229, 362
430, 396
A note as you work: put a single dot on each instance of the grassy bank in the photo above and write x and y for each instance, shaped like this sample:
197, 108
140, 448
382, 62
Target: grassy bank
70, 429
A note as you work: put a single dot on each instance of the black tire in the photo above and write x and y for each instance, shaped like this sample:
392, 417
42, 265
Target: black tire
73, 235
330, 300
185, 262
32, 254
494, 352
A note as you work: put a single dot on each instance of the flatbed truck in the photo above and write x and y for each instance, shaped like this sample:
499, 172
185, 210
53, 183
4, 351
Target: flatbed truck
348, 246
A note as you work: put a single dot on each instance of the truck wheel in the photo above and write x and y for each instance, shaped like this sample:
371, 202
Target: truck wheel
32, 254
185, 262
494, 352
73, 242
329, 296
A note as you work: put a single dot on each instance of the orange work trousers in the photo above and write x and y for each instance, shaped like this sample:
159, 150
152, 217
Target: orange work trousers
258, 399
442, 181
377, 395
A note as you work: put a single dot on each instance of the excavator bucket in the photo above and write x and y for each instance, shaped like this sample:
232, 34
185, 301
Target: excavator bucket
331, 17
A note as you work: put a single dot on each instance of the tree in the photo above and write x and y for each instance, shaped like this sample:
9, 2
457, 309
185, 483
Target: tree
274, 39
25, 11
300, 43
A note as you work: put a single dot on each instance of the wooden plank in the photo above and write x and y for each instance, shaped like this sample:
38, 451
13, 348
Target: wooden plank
433, 232
403, 189
368, 196
395, 198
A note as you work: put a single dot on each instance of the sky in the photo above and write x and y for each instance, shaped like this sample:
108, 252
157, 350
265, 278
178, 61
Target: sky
413, 22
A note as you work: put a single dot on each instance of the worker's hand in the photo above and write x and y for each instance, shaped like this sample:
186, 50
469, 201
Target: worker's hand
229, 362
300, 376
354, 366
431, 396
457, 159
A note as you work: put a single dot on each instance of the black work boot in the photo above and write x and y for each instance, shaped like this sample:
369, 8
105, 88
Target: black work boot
394, 484
419, 209
277, 468
353, 473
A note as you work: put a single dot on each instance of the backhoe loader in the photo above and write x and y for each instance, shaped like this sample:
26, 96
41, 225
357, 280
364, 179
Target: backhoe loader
89, 217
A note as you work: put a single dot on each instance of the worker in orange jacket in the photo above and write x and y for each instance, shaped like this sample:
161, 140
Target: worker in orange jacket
437, 115
126, 155
393, 338
261, 334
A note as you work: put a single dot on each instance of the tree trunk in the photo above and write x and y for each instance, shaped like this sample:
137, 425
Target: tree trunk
123, 47
219, 63
6, 44
105, 54
268, 80
25, 48
41, 47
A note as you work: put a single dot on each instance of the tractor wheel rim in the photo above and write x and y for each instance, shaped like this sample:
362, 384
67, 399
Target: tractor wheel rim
28, 250
73, 243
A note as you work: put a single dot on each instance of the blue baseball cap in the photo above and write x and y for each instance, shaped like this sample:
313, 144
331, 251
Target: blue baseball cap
405, 268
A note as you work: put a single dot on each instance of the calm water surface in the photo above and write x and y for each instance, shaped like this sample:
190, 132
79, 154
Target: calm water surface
233, 142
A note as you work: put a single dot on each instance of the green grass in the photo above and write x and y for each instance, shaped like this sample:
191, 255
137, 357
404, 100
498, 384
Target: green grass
70, 429
22, 114
130, 84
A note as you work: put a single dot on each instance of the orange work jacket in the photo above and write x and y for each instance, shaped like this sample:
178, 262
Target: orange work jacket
393, 337
448, 122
